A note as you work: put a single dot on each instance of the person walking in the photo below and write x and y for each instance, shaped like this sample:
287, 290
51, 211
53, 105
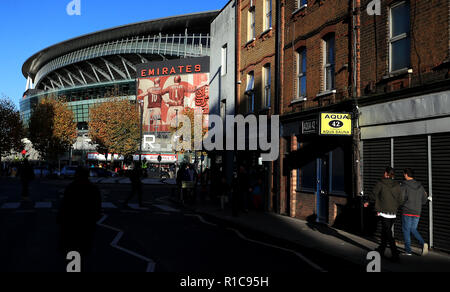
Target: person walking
79, 212
414, 196
136, 185
387, 198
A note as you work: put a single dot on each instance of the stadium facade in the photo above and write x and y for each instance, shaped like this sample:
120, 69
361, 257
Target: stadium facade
88, 69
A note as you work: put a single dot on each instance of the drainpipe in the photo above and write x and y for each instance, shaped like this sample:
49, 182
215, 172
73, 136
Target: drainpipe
356, 80
276, 103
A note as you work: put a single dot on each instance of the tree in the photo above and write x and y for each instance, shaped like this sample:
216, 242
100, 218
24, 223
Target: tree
11, 128
195, 126
52, 129
114, 127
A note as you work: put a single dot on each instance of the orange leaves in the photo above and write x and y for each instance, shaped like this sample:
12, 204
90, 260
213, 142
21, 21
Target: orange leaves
52, 129
114, 126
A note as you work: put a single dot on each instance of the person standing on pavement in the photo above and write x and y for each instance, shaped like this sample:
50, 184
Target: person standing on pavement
414, 196
136, 185
241, 192
26, 175
79, 212
387, 198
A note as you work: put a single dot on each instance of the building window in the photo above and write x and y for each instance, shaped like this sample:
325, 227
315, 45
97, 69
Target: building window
267, 86
306, 179
337, 170
302, 3
268, 15
224, 68
251, 24
301, 73
329, 62
250, 91
399, 40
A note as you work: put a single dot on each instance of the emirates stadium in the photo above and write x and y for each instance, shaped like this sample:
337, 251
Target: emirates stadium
88, 69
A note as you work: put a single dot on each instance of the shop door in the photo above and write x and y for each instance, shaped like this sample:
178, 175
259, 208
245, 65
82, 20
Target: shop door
322, 189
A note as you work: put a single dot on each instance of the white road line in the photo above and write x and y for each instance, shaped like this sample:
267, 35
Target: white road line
309, 262
43, 205
136, 207
108, 206
166, 208
10, 206
115, 243
201, 219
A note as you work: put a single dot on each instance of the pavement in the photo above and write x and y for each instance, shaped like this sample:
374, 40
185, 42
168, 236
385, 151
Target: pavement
324, 239
160, 237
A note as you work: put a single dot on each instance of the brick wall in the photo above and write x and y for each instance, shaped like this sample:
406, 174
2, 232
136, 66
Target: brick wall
429, 46
306, 29
254, 55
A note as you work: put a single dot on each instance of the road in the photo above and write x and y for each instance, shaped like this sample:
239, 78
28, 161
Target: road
162, 237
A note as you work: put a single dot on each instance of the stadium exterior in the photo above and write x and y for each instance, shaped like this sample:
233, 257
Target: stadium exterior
86, 70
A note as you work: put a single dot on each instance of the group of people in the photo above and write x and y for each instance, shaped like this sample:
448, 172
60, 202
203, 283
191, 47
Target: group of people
187, 179
389, 196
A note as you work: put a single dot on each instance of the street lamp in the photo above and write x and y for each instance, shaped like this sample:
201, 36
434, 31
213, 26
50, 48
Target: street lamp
141, 105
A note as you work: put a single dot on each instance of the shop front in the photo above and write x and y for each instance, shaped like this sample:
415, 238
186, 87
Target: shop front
413, 132
318, 162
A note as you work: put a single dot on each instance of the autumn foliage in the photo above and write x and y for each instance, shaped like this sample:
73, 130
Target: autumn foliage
11, 128
52, 129
114, 127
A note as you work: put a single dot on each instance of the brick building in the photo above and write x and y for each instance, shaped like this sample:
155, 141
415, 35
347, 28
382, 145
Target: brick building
317, 178
405, 103
256, 73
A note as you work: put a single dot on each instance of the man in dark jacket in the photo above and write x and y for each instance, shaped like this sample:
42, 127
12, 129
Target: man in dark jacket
415, 197
79, 212
387, 197
136, 185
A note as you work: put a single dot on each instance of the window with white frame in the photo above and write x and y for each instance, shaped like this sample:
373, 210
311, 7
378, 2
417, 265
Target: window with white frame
250, 91
301, 73
302, 3
251, 24
268, 15
267, 86
224, 68
329, 62
399, 39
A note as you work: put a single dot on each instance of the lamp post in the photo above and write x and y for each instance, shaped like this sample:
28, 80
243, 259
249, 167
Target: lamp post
141, 106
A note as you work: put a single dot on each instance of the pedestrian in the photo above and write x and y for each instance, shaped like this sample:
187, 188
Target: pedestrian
414, 197
241, 191
387, 198
79, 212
257, 192
26, 175
136, 185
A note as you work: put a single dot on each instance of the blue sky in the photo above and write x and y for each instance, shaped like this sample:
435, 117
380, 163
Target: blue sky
28, 26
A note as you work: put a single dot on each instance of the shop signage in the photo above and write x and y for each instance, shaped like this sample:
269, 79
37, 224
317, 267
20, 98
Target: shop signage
309, 127
336, 124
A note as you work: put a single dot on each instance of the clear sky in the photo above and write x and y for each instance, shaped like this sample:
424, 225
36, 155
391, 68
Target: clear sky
28, 26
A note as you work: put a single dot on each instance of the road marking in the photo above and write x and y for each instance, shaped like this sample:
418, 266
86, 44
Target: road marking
136, 207
166, 208
10, 206
43, 205
309, 262
115, 244
201, 219
108, 206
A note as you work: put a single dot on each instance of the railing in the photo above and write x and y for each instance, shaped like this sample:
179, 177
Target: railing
187, 45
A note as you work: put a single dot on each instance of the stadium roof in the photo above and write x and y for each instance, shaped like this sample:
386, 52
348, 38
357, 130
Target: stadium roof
195, 23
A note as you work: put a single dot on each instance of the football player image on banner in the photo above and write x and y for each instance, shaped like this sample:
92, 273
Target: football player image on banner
166, 96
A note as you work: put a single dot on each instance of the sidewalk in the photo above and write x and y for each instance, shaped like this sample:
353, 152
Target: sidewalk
125, 180
325, 239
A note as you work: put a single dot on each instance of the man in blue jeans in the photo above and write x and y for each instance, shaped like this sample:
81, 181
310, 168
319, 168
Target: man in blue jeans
415, 197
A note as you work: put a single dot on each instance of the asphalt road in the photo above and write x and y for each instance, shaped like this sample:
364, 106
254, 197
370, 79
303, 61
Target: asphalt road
160, 238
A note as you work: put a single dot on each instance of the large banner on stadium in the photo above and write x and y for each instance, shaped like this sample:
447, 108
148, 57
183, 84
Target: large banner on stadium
172, 88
